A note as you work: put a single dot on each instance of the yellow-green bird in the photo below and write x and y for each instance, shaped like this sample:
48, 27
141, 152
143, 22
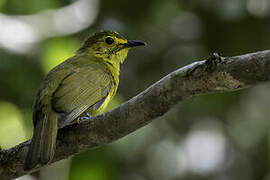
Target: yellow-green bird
83, 84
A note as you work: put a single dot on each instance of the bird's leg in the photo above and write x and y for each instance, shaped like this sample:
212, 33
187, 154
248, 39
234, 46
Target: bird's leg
82, 118
88, 116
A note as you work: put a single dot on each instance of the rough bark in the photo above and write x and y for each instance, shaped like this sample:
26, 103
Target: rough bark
214, 75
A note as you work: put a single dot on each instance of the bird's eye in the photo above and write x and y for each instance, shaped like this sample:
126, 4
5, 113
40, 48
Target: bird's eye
109, 40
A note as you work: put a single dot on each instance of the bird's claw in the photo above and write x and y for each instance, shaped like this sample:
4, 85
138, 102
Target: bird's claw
83, 118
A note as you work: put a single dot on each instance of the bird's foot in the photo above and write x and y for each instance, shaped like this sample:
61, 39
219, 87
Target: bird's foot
83, 118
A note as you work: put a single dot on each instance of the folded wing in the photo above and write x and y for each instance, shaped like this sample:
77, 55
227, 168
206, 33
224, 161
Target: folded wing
80, 90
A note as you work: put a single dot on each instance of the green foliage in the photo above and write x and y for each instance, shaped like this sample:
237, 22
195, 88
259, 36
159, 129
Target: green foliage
56, 51
95, 165
29, 6
116, 101
11, 125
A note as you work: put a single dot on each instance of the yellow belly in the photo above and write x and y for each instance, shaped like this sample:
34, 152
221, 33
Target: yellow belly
103, 106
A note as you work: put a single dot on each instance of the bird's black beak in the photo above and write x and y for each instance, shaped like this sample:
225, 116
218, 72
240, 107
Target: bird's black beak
132, 43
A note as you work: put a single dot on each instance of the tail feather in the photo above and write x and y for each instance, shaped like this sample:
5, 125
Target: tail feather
42, 146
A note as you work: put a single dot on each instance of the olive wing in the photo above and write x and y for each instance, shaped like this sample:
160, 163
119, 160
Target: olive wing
81, 89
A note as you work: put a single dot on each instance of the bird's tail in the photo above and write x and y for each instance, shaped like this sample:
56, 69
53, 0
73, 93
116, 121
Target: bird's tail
42, 145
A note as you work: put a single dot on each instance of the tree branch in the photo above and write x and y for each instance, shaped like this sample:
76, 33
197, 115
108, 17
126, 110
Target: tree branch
216, 74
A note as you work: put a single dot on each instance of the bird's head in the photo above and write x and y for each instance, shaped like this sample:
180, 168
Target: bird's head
108, 45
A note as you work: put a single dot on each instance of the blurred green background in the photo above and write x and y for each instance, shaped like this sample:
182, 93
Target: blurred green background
211, 137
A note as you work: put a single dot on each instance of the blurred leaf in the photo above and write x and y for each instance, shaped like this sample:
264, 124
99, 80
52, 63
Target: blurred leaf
116, 101
31, 6
97, 164
57, 50
28, 123
11, 127
2, 3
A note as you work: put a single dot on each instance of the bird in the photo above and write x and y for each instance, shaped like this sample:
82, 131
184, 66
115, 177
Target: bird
76, 89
